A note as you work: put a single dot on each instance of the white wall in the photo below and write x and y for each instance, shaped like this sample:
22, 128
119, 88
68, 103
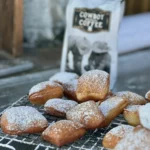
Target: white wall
43, 19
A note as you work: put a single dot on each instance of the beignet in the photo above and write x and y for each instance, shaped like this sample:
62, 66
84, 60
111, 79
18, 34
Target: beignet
63, 77
144, 115
133, 98
93, 85
70, 89
138, 139
86, 113
111, 108
147, 96
44, 91
22, 119
112, 137
59, 107
131, 115
63, 132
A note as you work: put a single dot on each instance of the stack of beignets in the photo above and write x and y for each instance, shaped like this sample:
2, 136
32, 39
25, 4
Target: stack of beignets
94, 106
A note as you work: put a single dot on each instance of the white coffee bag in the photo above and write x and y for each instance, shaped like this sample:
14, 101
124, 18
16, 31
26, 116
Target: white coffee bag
91, 36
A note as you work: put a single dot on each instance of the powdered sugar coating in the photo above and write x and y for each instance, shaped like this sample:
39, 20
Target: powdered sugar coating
132, 108
96, 80
147, 96
43, 85
61, 126
60, 105
134, 98
120, 131
71, 85
144, 114
135, 140
84, 112
24, 117
109, 104
64, 77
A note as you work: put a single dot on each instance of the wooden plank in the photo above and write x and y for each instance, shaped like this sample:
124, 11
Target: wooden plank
11, 22
18, 27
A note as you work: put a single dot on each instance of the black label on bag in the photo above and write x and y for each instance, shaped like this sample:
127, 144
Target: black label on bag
91, 20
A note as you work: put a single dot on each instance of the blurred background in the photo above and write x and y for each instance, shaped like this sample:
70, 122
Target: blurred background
32, 31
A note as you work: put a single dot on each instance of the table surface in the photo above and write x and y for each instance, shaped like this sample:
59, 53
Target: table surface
133, 75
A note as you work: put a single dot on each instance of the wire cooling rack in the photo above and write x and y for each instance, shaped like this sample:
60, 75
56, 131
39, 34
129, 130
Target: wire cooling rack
91, 141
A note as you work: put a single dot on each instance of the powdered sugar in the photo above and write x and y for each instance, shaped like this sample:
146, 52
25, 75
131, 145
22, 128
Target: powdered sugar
120, 131
109, 104
132, 108
64, 77
147, 96
85, 111
135, 140
71, 85
60, 105
95, 80
42, 85
134, 99
24, 117
144, 114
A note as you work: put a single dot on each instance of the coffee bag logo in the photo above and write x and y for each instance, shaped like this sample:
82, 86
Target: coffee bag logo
91, 20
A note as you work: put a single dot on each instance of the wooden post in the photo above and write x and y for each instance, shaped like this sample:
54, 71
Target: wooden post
11, 26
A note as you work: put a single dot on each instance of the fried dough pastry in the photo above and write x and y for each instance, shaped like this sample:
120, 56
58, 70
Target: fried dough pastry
144, 115
134, 99
22, 119
111, 108
147, 96
63, 77
93, 85
44, 91
131, 115
138, 139
112, 137
87, 114
70, 89
63, 132
59, 107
